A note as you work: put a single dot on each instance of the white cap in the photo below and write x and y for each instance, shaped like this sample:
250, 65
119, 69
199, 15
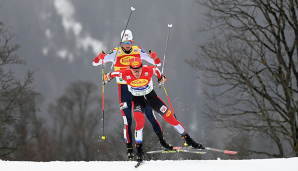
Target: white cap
127, 35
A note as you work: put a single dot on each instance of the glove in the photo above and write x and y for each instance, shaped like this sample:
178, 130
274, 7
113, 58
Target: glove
155, 57
100, 56
107, 77
152, 54
162, 79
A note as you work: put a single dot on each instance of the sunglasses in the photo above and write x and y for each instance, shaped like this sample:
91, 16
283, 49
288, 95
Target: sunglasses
127, 43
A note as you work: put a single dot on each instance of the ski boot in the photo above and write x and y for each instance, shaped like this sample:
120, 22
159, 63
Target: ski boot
190, 142
140, 153
130, 155
163, 142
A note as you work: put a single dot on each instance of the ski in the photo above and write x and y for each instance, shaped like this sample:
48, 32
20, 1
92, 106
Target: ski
178, 150
139, 164
192, 150
220, 150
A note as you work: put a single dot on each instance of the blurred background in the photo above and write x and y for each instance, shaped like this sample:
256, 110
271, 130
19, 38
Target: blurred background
58, 41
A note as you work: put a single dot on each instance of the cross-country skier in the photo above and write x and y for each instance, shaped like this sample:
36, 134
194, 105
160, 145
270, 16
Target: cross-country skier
139, 81
121, 62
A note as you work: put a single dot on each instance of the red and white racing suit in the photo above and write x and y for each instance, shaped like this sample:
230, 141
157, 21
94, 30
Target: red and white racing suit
143, 95
120, 59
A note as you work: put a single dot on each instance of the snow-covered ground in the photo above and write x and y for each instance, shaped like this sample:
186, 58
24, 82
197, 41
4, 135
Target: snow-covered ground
179, 165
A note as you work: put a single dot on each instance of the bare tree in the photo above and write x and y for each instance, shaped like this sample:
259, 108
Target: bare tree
252, 61
77, 125
17, 104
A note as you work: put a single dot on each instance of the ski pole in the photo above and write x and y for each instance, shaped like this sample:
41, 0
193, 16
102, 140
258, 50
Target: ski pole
163, 65
103, 100
169, 101
103, 84
166, 93
132, 9
164, 57
169, 25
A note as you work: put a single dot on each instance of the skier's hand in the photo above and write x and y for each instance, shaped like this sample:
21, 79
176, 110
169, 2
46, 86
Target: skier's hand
100, 56
107, 77
154, 57
152, 54
162, 79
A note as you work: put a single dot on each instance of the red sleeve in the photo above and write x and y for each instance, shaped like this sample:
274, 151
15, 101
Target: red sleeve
155, 58
156, 71
116, 74
120, 73
157, 61
96, 60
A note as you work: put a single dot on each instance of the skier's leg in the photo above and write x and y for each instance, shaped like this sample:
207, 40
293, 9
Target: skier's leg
157, 128
168, 116
125, 108
160, 107
152, 119
138, 110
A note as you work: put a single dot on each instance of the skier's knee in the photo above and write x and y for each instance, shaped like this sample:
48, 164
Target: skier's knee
140, 120
127, 120
168, 116
123, 106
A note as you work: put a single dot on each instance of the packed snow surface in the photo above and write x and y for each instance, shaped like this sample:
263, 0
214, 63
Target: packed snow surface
171, 165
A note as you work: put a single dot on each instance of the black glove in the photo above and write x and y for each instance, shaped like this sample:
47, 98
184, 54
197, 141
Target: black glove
162, 79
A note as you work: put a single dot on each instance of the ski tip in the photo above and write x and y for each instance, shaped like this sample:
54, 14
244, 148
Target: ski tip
177, 148
222, 151
133, 8
139, 164
149, 152
230, 152
170, 25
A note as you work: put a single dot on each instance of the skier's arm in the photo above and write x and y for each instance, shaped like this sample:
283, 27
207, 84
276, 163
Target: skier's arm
152, 58
161, 78
109, 57
155, 58
109, 76
98, 59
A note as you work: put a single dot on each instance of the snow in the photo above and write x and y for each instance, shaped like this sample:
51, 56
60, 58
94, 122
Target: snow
179, 165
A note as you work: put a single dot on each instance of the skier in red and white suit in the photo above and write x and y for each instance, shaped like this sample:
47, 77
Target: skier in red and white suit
139, 82
120, 57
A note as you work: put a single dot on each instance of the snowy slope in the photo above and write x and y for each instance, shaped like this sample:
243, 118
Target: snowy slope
201, 165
